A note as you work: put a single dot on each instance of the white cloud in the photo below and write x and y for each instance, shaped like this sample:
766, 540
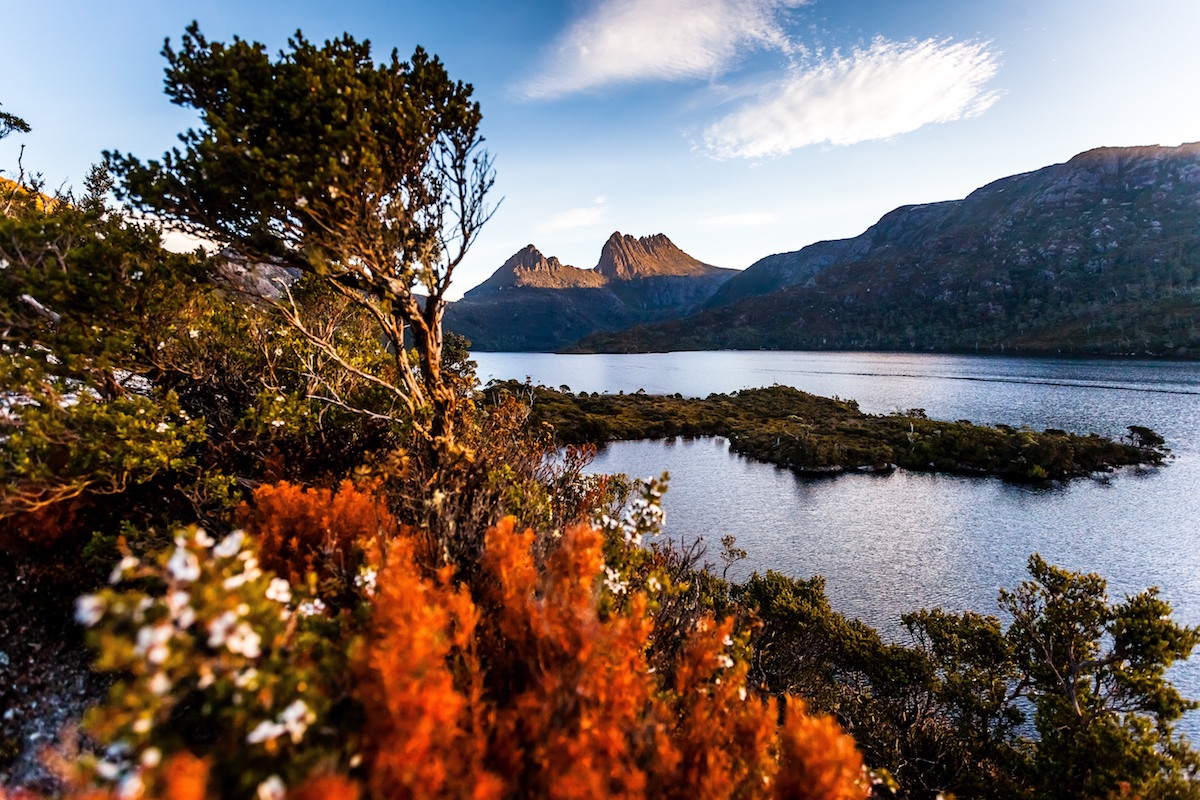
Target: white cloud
623, 41
576, 218
743, 220
885, 90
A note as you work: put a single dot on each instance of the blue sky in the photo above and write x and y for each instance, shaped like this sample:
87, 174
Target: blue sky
739, 128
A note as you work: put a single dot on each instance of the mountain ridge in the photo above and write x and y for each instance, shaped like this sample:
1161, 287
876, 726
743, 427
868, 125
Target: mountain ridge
1096, 255
534, 302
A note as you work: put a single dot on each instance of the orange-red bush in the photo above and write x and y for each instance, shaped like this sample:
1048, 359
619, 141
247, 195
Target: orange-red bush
528, 690
314, 530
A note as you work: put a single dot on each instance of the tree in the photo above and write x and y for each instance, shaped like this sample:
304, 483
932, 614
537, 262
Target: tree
369, 175
10, 123
1096, 674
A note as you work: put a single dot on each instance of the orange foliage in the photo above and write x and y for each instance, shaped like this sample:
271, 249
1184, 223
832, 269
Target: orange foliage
819, 761
326, 787
516, 684
568, 706
184, 777
313, 530
420, 721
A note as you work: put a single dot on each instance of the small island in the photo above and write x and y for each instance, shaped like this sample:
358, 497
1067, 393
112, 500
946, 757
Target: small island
813, 435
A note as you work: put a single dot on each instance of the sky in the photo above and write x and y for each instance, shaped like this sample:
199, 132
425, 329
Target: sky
739, 128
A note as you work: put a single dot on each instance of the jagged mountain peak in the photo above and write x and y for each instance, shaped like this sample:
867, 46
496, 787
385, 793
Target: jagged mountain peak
626, 257
529, 268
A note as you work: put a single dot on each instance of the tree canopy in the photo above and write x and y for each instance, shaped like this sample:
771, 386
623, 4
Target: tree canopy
369, 175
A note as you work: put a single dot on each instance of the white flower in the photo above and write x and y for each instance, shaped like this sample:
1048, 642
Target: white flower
277, 423
161, 427
365, 580
279, 591
252, 570
244, 640
124, 565
234, 581
652, 584
613, 581
203, 539
160, 684
143, 725
179, 604
151, 757
207, 678
741, 692
183, 565
267, 729
728, 641
89, 609
244, 679
272, 788
724, 661
161, 345
220, 627
278, 351
193, 333
311, 608
296, 718
230, 545
107, 770
152, 642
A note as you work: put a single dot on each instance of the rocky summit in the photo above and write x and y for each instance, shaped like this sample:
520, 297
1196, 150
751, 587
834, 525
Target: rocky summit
537, 303
625, 258
528, 268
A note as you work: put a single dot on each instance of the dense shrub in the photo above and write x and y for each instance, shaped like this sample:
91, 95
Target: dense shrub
528, 681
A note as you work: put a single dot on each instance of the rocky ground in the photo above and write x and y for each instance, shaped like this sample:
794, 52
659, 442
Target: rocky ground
45, 683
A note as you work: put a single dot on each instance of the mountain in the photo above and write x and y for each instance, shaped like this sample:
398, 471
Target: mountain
537, 303
625, 258
1099, 255
528, 268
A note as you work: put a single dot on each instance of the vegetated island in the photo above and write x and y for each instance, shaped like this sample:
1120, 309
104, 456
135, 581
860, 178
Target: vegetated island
813, 435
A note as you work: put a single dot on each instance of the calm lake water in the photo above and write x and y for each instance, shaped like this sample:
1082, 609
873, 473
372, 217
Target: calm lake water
889, 544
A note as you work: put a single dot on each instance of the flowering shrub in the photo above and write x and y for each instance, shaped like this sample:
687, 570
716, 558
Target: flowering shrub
529, 681
217, 658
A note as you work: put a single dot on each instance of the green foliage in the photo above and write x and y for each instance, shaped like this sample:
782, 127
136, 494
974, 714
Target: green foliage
94, 314
1096, 672
11, 122
817, 435
367, 174
947, 714
220, 659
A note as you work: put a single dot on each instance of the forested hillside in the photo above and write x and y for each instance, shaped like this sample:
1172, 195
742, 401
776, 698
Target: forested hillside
1098, 256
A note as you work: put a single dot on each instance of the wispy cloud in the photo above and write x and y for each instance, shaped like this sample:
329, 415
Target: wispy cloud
624, 41
575, 218
882, 91
746, 219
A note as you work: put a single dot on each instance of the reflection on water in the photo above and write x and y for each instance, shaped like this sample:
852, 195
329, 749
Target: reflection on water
889, 544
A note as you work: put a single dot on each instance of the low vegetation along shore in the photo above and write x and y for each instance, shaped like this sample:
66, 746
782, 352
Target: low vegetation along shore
814, 435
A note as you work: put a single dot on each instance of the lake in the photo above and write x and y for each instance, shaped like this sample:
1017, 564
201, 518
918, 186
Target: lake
889, 544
